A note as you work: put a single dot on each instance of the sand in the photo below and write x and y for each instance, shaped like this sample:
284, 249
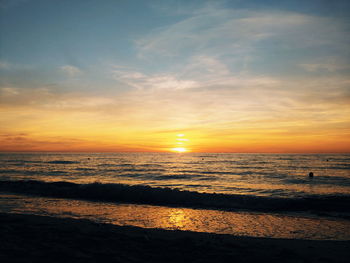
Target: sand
29, 238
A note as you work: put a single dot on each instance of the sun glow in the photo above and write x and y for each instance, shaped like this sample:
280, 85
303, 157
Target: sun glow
179, 149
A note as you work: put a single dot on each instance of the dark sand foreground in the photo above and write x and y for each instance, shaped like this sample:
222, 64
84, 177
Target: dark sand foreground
28, 238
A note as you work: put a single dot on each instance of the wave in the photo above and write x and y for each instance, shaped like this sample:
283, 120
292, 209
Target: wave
321, 180
142, 194
84, 169
6, 171
62, 162
23, 162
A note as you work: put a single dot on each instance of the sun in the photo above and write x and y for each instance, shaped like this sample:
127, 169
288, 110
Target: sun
179, 149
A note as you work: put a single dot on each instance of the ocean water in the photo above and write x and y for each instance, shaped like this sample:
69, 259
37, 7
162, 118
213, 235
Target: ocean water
261, 195
263, 175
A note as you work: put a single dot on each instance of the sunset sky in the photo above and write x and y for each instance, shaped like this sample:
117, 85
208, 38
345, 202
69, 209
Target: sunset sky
196, 76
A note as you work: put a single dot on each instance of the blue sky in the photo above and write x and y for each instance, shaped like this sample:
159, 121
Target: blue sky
224, 64
90, 34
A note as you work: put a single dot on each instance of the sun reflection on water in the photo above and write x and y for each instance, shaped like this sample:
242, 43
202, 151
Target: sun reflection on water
177, 218
199, 220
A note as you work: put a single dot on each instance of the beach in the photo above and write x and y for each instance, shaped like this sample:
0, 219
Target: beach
29, 238
122, 207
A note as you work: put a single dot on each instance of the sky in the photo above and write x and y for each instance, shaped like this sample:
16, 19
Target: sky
195, 76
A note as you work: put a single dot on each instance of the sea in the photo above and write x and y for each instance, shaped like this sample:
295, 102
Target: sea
262, 195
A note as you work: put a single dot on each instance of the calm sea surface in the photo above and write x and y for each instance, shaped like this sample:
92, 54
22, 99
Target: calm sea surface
275, 175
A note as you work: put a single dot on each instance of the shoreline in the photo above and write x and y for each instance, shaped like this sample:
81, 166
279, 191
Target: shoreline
143, 194
30, 238
237, 223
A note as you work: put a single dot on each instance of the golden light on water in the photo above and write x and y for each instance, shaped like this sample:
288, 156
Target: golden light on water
177, 219
198, 220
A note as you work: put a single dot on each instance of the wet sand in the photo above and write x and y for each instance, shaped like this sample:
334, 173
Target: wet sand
29, 238
237, 223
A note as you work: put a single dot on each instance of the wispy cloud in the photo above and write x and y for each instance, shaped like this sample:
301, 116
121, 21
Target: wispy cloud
71, 71
156, 81
327, 64
224, 31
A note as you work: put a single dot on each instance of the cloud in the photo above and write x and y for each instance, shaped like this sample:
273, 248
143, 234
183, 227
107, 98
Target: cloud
4, 65
330, 66
201, 72
71, 71
154, 81
204, 92
44, 98
228, 98
257, 42
224, 31
30, 142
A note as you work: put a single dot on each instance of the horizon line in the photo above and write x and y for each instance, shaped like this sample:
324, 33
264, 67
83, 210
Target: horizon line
166, 152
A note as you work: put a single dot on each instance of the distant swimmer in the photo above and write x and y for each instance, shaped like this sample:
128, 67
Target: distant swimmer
311, 174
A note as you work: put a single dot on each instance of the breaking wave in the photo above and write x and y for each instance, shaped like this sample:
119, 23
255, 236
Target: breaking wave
142, 194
